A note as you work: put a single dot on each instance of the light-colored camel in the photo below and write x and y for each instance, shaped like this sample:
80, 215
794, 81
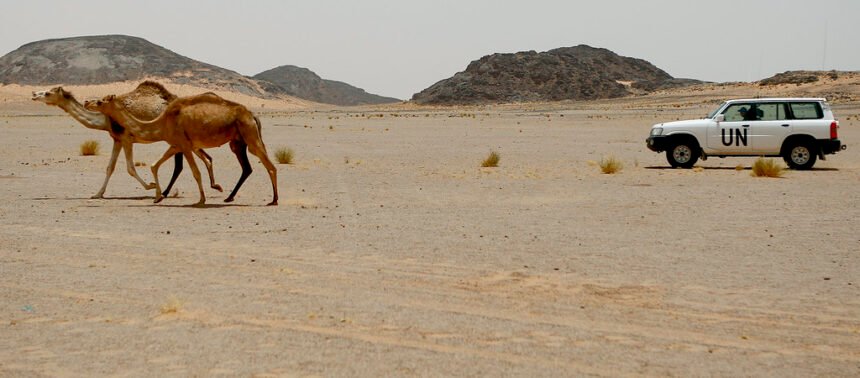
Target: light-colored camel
146, 102
196, 122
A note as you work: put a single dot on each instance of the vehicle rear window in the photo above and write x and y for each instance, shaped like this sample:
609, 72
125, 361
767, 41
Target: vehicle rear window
806, 110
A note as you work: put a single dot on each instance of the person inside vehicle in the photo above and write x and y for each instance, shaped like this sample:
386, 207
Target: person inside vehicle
750, 115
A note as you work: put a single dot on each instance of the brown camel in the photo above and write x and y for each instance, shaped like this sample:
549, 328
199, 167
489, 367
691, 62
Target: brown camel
196, 122
146, 102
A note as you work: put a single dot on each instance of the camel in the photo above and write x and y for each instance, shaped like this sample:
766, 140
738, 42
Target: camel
146, 101
197, 122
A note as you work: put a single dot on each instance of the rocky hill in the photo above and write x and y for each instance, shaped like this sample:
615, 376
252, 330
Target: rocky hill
113, 58
570, 73
304, 83
799, 77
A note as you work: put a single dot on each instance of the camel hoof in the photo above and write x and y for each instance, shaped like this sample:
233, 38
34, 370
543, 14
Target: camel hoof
158, 199
217, 187
150, 186
228, 199
98, 196
273, 203
199, 204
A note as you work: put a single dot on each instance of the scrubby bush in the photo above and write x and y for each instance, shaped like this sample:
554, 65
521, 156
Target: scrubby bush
284, 155
767, 168
492, 160
610, 165
90, 148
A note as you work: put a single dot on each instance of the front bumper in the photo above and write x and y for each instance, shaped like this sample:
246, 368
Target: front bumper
657, 143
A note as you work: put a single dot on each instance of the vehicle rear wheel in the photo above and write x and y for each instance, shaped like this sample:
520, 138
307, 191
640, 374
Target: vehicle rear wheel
800, 155
683, 154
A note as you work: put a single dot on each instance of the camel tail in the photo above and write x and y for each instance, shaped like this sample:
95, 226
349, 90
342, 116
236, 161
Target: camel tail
259, 126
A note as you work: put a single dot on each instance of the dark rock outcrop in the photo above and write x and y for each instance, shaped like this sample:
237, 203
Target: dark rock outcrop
570, 73
798, 77
303, 83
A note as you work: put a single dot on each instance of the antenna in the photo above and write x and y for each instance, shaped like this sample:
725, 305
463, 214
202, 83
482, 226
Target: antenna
824, 54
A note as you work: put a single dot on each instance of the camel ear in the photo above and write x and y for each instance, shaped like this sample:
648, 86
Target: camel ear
63, 93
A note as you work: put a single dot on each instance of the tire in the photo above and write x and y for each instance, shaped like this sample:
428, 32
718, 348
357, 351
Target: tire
683, 154
800, 155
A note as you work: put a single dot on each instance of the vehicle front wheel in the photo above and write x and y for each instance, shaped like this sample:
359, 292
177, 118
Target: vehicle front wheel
800, 155
683, 154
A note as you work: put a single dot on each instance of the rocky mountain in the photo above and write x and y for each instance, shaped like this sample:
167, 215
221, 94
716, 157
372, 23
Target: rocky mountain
570, 73
112, 58
304, 83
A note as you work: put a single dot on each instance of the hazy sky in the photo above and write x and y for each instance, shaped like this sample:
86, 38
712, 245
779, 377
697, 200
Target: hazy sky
397, 48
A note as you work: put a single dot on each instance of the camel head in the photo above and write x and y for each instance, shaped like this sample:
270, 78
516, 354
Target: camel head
54, 96
105, 104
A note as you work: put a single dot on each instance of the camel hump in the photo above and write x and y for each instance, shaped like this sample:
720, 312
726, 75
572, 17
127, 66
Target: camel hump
154, 88
146, 101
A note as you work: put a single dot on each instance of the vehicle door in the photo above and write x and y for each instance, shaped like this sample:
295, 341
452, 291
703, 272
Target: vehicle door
770, 128
731, 135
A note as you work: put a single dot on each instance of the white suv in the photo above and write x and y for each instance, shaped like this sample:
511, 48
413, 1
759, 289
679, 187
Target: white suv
798, 129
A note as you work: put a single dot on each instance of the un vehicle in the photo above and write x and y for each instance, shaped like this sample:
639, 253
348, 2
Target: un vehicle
800, 130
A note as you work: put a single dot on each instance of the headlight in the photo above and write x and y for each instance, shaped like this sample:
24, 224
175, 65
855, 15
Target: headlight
656, 131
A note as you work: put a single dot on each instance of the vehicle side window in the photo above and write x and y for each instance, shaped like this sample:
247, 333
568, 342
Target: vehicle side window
772, 111
738, 112
806, 110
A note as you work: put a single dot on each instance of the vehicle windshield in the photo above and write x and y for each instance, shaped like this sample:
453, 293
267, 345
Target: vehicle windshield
714, 112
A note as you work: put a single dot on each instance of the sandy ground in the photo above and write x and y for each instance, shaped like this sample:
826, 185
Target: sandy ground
393, 253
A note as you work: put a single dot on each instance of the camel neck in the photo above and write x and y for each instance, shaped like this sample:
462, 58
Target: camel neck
144, 131
90, 119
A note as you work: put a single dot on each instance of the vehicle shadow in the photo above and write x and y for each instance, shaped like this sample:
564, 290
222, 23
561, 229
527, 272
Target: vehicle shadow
745, 168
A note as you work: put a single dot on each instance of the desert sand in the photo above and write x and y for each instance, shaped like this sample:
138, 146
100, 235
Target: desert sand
394, 253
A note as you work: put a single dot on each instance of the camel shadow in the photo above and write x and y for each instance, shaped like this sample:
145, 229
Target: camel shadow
88, 198
191, 206
149, 204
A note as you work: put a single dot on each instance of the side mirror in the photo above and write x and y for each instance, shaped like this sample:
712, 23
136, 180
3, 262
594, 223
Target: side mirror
720, 118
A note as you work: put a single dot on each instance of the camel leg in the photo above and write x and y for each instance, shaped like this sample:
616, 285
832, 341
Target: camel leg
113, 156
207, 161
177, 168
259, 149
193, 165
167, 154
129, 163
240, 149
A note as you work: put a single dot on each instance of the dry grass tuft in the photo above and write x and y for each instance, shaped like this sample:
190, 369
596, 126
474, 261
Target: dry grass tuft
492, 160
739, 167
284, 155
610, 165
767, 168
90, 148
172, 306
